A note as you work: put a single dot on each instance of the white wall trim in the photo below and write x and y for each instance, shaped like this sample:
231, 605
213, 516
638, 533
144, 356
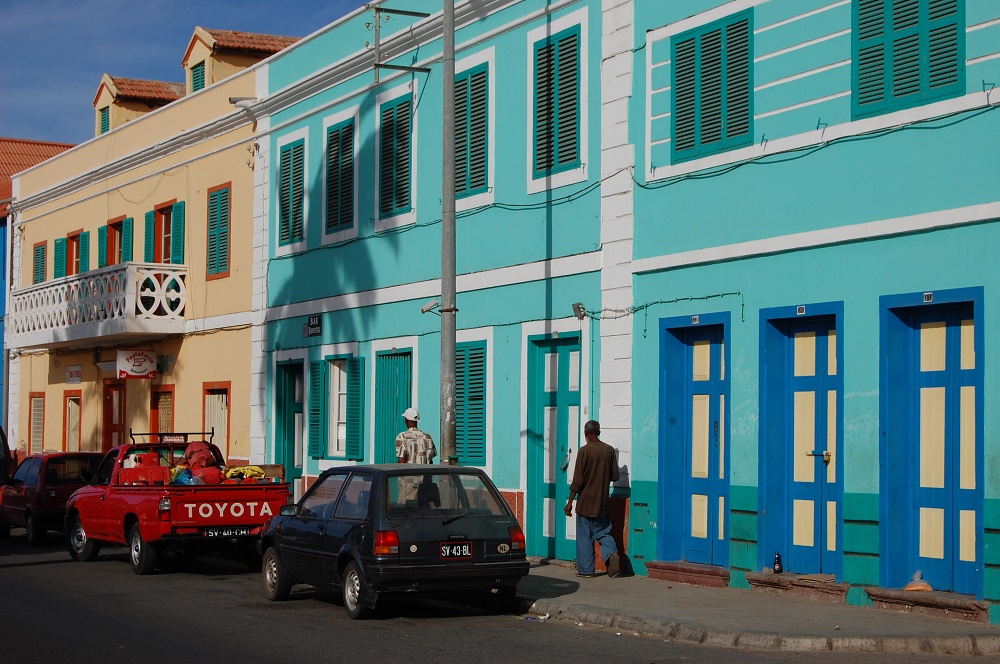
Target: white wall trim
473, 281
828, 236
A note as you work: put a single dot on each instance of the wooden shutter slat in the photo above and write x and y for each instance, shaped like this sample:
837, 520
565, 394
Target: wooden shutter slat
59, 258
685, 95
317, 409
177, 233
355, 408
150, 239
127, 239
102, 246
213, 232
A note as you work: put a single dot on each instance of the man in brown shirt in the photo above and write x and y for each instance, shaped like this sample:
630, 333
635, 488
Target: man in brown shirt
596, 468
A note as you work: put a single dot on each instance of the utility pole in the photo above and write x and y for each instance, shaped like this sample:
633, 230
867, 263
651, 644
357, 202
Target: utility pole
449, 454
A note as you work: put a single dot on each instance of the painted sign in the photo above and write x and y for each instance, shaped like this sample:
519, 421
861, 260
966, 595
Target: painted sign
313, 328
74, 374
136, 364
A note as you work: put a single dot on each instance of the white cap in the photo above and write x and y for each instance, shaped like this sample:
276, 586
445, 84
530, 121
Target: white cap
411, 414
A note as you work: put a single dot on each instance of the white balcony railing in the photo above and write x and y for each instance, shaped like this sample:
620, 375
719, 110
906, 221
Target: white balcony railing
117, 304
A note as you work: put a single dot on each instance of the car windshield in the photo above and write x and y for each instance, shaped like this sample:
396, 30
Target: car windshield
435, 495
70, 469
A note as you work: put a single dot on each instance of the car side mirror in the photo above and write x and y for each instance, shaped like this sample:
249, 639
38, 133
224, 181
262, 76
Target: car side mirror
288, 510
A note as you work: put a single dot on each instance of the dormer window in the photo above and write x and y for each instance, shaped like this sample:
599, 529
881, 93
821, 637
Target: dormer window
105, 120
198, 76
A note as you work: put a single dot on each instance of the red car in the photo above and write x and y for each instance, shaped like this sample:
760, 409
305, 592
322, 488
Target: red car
35, 496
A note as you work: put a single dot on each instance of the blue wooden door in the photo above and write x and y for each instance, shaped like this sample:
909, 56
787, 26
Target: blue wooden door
946, 449
813, 446
393, 395
703, 447
554, 432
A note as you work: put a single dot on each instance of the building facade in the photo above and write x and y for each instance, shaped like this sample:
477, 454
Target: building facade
813, 290
137, 246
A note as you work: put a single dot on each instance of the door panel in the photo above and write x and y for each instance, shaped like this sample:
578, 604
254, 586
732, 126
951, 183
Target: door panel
114, 430
946, 449
291, 422
706, 480
393, 395
814, 386
553, 438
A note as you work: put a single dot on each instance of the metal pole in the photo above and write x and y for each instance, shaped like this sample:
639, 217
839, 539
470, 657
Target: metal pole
448, 310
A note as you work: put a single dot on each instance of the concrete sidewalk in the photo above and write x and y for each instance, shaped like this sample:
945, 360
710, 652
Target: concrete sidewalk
727, 617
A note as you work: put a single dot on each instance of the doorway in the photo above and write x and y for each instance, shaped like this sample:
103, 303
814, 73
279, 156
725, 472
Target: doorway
113, 432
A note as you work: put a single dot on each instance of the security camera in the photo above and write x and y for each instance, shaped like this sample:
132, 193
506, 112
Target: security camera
430, 306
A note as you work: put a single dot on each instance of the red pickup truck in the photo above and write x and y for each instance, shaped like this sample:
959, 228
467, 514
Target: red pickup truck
131, 500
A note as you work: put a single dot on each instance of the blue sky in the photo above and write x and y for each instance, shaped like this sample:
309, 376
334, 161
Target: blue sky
54, 52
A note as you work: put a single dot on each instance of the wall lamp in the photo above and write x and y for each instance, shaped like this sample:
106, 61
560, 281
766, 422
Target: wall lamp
431, 307
579, 311
246, 103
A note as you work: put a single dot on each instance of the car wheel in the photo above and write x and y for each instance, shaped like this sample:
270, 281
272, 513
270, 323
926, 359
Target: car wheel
80, 546
34, 532
355, 588
277, 583
142, 555
506, 599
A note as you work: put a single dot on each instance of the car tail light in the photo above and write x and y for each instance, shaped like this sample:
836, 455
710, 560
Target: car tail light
516, 538
164, 507
386, 543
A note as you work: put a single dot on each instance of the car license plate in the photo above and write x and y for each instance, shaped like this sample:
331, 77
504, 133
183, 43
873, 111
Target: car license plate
232, 531
456, 550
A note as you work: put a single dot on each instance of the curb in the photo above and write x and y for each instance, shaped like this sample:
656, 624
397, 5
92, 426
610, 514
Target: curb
688, 633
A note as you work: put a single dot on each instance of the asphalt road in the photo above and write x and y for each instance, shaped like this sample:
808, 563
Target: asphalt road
54, 610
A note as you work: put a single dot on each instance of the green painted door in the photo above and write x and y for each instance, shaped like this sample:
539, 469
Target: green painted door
554, 431
393, 395
289, 427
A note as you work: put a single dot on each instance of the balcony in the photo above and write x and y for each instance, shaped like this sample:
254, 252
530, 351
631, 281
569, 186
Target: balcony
122, 304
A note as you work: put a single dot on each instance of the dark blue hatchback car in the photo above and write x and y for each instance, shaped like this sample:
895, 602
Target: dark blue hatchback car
368, 530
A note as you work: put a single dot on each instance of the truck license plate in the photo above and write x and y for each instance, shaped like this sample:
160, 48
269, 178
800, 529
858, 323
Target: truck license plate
231, 531
456, 550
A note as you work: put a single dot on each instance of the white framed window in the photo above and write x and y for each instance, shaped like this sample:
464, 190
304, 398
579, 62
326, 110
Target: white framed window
341, 138
302, 212
546, 32
382, 103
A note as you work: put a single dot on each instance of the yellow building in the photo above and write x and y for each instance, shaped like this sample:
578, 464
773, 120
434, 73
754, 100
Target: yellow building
132, 275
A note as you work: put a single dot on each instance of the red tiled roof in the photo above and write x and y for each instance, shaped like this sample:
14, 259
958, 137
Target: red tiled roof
250, 41
18, 154
137, 88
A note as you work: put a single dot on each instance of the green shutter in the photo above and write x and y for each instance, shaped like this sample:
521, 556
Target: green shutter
291, 190
712, 88
470, 403
557, 103
471, 131
105, 116
38, 273
59, 258
198, 77
177, 233
218, 231
84, 251
150, 240
317, 409
102, 246
355, 408
127, 240
394, 158
340, 177
906, 53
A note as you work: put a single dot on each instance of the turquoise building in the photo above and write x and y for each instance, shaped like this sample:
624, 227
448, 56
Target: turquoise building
751, 237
